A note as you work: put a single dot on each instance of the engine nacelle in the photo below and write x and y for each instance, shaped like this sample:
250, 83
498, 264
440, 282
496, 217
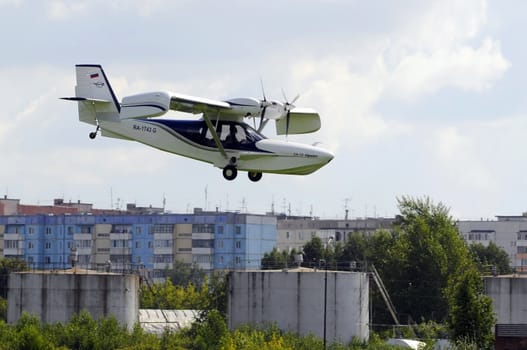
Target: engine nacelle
147, 105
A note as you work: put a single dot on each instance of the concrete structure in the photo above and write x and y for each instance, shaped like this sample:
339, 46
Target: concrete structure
508, 298
294, 233
294, 299
56, 296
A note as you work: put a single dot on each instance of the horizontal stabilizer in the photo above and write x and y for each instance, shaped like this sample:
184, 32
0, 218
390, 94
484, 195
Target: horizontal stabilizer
80, 99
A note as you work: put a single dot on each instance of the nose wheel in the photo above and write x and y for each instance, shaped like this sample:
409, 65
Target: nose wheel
230, 172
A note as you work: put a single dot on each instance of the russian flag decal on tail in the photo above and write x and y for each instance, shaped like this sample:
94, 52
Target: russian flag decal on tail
94, 75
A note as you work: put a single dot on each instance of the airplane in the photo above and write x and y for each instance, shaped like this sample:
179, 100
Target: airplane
220, 136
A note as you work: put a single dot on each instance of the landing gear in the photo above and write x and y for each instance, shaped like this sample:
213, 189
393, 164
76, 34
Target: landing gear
93, 134
230, 172
254, 176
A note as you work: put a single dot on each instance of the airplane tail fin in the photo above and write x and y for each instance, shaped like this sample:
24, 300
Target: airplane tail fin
95, 96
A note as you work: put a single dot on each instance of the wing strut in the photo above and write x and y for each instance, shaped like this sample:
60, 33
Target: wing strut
215, 135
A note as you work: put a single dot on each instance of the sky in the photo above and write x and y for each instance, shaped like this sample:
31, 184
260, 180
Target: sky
420, 99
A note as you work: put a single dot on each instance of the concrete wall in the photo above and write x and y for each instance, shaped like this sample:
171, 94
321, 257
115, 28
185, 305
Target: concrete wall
56, 296
295, 301
508, 298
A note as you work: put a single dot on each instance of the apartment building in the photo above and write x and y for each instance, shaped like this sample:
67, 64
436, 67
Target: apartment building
212, 240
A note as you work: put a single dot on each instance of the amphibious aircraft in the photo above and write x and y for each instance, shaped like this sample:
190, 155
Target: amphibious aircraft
220, 137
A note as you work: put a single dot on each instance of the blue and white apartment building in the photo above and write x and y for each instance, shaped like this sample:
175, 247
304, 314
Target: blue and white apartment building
212, 240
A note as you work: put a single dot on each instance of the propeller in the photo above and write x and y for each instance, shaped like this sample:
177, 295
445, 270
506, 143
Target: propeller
263, 108
287, 108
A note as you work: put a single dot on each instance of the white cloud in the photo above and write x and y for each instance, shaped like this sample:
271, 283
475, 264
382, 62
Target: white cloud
459, 160
59, 10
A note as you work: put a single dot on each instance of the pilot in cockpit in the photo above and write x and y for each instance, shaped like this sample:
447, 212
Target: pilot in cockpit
231, 138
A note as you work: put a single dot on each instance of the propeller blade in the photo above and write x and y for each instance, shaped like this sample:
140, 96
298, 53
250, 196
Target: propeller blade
263, 90
294, 100
287, 124
262, 117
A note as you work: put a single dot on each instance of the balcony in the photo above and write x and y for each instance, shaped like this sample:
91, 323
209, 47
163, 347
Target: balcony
120, 251
120, 236
14, 252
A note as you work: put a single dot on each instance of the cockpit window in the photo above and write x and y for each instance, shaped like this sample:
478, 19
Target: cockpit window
232, 135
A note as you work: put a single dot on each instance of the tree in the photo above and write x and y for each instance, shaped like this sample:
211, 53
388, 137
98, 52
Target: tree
275, 260
183, 274
470, 314
428, 249
313, 251
8, 265
491, 259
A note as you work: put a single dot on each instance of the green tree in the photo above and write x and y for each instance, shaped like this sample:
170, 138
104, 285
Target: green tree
313, 252
8, 265
183, 274
274, 260
491, 258
470, 314
428, 250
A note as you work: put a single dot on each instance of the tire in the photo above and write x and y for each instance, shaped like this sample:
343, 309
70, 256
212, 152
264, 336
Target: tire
254, 176
230, 172
93, 135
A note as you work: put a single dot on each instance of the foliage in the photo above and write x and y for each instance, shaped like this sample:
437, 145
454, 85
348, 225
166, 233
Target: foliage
183, 274
278, 260
8, 265
471, 317
83, 332
3, 309
313, 251
212, 294
491, 258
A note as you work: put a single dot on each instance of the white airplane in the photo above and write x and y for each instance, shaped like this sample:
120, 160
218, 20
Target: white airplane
220, 137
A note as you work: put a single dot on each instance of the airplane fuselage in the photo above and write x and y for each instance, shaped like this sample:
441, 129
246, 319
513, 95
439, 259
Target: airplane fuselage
262, 155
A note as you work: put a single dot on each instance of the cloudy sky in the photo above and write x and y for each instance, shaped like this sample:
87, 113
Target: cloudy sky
417, 98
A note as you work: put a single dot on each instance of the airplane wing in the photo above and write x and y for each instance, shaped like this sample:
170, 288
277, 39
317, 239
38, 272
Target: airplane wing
196, 105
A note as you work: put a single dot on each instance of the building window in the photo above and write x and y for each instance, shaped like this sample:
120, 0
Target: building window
138, 244
48, 245
162, 228
220, 243
47, 260
30, 245
287, 235
31, 230
48, 230
238, 230
237, 260
238, 244
164, 243
11, 244
221, 259
202, 243
70, 230
138, 230
203, 228
149, 244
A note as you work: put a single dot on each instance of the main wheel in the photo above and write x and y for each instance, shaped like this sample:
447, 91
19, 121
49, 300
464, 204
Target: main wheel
230, 172
254, 176
93, 135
